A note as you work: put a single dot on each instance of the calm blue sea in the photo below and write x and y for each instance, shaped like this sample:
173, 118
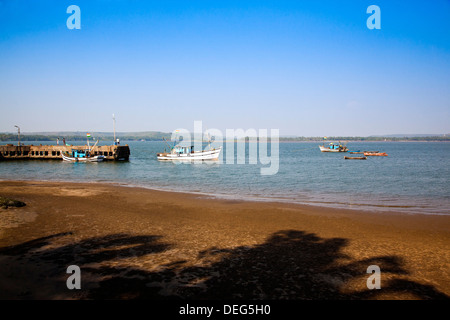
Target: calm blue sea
414, 178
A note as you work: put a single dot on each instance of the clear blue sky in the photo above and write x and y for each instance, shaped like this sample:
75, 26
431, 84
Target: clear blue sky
308, 68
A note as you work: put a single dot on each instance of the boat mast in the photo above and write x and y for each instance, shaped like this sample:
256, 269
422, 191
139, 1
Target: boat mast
209, 140
93, 146
167, 143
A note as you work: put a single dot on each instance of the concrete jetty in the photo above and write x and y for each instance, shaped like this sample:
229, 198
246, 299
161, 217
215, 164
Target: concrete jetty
52, 152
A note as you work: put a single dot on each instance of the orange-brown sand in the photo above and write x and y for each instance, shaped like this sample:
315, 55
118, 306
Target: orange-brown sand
139, 243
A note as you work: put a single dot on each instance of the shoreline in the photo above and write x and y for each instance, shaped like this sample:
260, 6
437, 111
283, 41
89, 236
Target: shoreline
134, 242
358, 207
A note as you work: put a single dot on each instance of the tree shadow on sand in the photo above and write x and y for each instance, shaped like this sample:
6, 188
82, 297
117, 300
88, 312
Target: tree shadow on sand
88, 254
290, 264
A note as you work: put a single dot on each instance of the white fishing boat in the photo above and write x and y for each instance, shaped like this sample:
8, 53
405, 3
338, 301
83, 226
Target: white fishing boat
179, 153
333, 147
185, 153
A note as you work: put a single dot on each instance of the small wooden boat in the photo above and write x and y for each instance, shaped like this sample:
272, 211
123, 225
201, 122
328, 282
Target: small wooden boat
379, 154
355, 158
371, 151
356, 152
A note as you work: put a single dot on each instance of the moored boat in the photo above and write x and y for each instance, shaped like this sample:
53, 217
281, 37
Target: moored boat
355, 158
333, 147
81, 156
179, 153
379, 154
188, 153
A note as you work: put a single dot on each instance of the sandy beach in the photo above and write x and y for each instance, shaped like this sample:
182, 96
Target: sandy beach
138, 243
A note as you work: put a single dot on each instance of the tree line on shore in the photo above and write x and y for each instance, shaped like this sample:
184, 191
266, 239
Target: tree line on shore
421, 138
159, 136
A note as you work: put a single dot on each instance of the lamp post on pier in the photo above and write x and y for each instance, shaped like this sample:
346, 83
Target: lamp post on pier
114, 124
18, 131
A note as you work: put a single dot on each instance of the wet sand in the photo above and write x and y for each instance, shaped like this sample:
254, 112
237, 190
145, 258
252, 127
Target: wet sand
139, 243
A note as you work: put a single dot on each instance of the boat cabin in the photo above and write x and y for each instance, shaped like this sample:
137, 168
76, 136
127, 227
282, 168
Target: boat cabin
334, 146
183, 150
80, 153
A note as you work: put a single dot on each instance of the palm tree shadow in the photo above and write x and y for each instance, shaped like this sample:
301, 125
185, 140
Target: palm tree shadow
88, 254
296, 265
31, 245
90, 250
290, 264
